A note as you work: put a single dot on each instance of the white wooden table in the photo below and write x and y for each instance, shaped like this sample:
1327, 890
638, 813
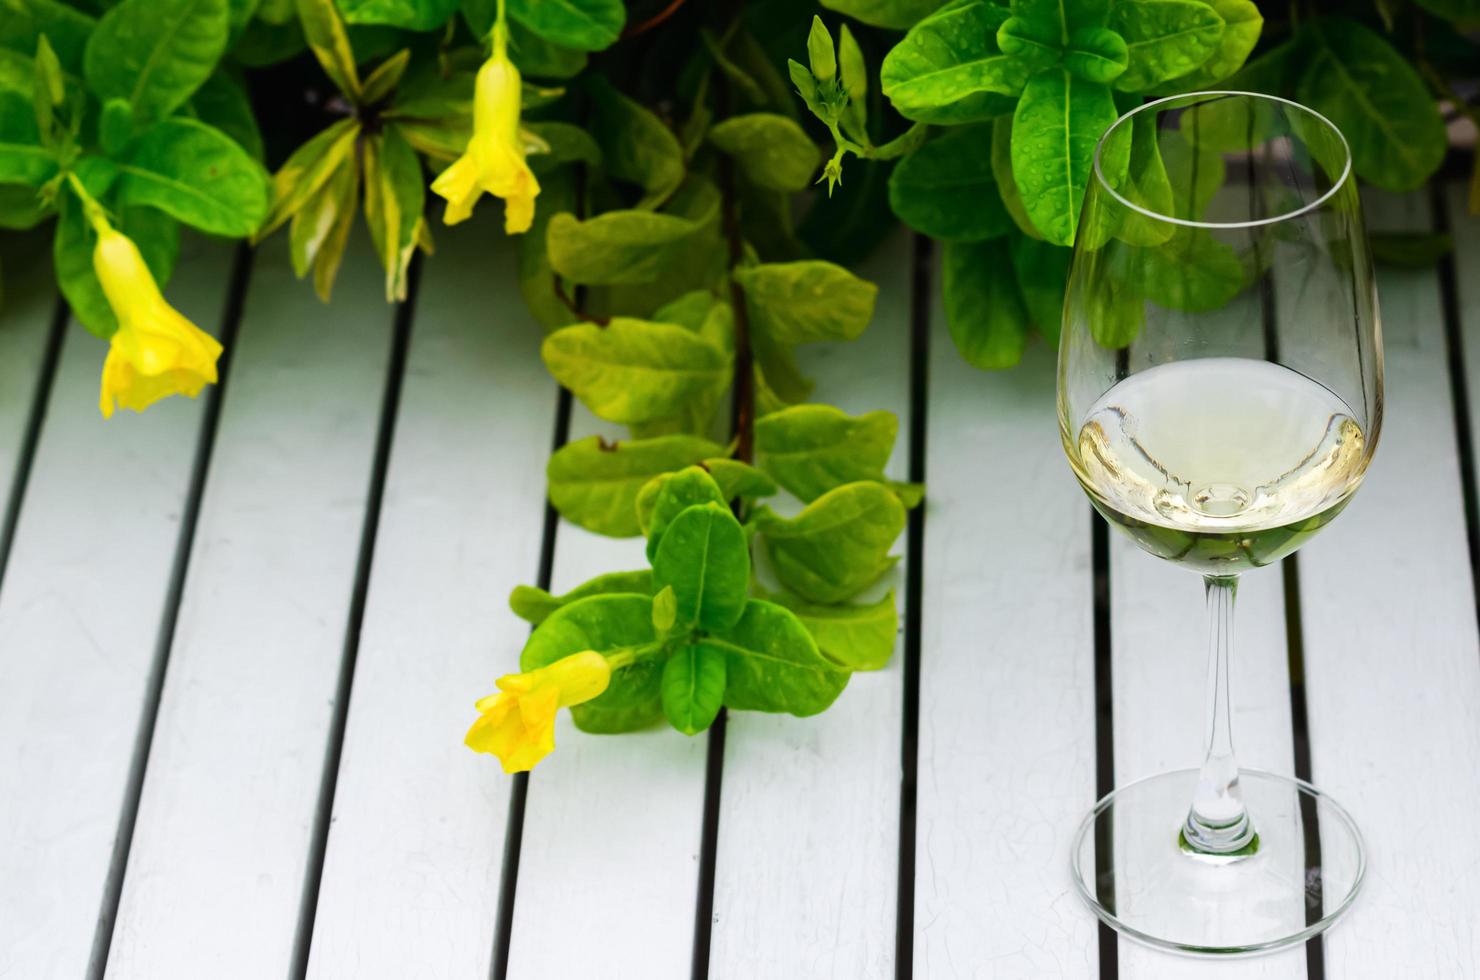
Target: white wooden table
240, 639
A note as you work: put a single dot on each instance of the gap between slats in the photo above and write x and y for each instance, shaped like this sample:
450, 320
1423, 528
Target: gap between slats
51, 354
241, 274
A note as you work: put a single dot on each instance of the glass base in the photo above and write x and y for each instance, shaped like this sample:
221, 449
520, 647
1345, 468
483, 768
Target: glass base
1132, 864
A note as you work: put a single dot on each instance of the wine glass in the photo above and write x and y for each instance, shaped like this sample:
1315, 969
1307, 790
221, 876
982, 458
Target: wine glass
1220, 397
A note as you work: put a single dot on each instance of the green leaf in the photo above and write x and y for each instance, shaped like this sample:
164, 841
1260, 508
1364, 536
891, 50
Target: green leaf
1033, 45
634, 370
737, 479
23, 160
1165, 39
635, 144
534, 605
770, 149
538, 58
704, 556
1115, 315
320, 230
1096, 54
414, 15
1193, 272
386, 76
22, 22
1057, 20
1002, 171
585, 25
222, 102
984, 310
536, 276
1146, 184
665, 611
836, 546
808, 301
1042, 271
21, 207
395, 192
564, 143
1242, 24
1410, 249
606, 624
308, 170
1358, 81
197, 174
855, 637
894, 14
772, 663
694, 687
666, 496
1059, 121
946, 189
155, 53
619, 246
323, 29
595, 484
1197, 176
948, 68
262, 44
156, 235
810, 449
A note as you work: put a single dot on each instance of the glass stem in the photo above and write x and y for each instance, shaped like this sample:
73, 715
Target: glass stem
1217, 823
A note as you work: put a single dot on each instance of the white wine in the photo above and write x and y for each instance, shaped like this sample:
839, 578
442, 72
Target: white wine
1220, 463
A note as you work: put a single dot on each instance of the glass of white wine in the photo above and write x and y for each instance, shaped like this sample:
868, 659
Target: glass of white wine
1220, 397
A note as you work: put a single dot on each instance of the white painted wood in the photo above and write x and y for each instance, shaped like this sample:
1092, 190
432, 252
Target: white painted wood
216, 872
1159, 638
813, 894
415, 853
79, 630
1392, 660
26, 310
609, 868
1007, 715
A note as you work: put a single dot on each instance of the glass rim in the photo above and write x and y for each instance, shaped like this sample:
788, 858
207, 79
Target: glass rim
1336, 185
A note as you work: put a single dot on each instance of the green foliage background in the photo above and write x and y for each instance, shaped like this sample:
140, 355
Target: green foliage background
680, 253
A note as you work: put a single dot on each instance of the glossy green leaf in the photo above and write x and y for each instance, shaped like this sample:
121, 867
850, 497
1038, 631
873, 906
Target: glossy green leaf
1034, 45
704, 556
1164, 39
894, 14
1002, 172
808, 301
222, 102
1356, 79
665, 497
606, 624
618, 247
1242, 24
855, 637
538, 58
415, 15
634, 370
984, 310
837, 545
22, 22
949, 69
694, 687
1042, 271
665, 611
635, 144
585, 25
156, 235
197, 174
155, 53
534, 605
1147, 185
810, 449
595, 484
1059, 19
773, 664
772, 150
323, 29
1058, 123
946, 189
1096, 54
737, 479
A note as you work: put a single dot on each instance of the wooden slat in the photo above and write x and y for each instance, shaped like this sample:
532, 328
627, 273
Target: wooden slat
1007, 714
80, 617
1392, 660
26, 312
1159, 636
216, 872
611, 825
808, 847
415, 851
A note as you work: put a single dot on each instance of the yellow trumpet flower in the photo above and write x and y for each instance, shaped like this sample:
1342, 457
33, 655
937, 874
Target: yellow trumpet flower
518, 723
494, 160
155, 352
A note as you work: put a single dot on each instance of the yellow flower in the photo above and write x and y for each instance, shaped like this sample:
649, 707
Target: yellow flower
518, 723
494, 159
155, 352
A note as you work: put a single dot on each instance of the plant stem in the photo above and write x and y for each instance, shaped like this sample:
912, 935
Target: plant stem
744, 417
642, 27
